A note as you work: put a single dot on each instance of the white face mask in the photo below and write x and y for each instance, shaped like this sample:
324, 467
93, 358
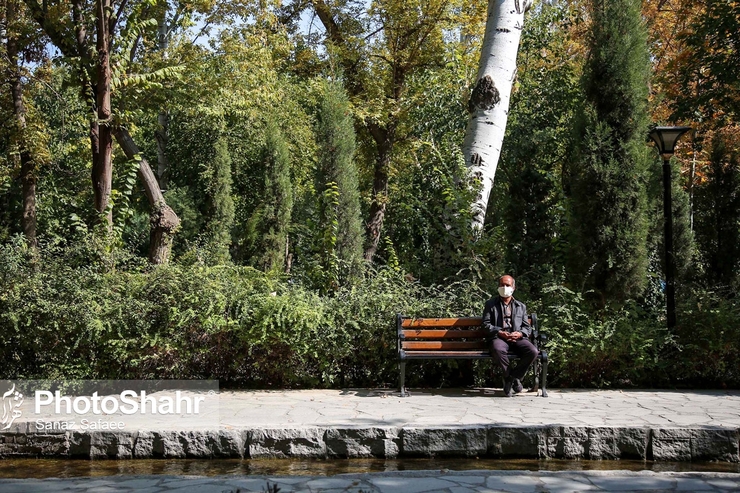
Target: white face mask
505, 291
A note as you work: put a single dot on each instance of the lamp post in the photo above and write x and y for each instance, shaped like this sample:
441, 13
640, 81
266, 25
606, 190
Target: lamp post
665, 139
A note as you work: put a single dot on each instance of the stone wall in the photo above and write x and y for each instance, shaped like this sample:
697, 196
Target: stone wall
562, 442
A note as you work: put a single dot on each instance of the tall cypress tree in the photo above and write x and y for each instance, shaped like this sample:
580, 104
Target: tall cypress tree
278, 200
609, 168
338, 189
201, 184
533, 153
217, 177
717, 213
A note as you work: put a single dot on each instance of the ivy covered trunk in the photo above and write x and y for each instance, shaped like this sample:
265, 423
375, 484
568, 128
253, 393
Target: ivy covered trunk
489, 99
384, 140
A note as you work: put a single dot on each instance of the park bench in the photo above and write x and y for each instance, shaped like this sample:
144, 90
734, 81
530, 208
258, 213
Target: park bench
459, 338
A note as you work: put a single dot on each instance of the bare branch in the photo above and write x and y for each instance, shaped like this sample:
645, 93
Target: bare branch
202, 31
113, 21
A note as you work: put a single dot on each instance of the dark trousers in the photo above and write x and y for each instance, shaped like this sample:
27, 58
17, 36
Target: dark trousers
522, 348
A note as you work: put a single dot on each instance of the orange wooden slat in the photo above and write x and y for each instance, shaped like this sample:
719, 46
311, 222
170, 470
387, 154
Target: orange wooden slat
442, 345
441, 322
445, 354
443, 334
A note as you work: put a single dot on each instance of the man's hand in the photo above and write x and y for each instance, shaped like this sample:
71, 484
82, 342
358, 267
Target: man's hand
510, 336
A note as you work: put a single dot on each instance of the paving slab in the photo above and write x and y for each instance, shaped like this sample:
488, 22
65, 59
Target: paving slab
570, 423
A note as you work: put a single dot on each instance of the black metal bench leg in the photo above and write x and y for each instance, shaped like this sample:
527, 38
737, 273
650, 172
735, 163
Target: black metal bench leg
402, 366
544, 373
536, 370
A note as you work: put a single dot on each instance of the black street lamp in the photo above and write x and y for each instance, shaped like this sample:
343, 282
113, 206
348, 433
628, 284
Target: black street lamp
665, 139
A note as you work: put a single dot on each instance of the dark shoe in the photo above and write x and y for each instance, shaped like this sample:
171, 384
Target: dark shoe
517, 386
508, 381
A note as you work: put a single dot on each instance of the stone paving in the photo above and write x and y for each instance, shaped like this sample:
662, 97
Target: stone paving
571, 424
450, 407
402, 482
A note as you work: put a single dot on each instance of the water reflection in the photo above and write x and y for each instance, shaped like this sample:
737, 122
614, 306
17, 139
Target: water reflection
65, 468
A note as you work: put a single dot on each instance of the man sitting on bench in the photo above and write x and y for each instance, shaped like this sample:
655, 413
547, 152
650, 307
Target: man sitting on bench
506, 320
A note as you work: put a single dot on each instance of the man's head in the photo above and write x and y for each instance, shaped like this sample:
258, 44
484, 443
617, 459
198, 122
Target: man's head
506, 286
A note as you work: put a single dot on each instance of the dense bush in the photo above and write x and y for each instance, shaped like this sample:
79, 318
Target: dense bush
708, 341
615, 346
63, 317
236, 324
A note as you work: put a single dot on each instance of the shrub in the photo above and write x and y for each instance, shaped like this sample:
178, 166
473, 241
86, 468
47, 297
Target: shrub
707, 341
615, 346
63, 317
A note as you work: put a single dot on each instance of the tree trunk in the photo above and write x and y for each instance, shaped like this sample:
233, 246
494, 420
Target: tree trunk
489, 99
692, 178
102, 169
163, 221
385, 139
384, 142
28, 181
28, 176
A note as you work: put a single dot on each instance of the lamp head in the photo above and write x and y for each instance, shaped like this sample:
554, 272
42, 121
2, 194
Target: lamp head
665, 139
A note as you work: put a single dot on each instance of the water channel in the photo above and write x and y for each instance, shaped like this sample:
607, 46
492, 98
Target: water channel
66, 468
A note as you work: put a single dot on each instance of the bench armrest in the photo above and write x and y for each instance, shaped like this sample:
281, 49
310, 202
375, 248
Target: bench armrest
540, 338
535, 327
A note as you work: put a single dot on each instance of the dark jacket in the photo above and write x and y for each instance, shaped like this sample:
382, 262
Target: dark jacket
493, 317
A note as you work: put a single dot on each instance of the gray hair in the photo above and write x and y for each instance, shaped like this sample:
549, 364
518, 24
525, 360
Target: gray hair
513, 281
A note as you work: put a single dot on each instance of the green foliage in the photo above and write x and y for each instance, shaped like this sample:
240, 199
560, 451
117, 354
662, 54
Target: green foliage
709, 67
199, 144
608, 202
339, 225
79, 319
434, 249
277, 205
527, 192
614, 347
708, 339
232, 323
121, 195
58, 136
220, 203
428, 225
183, 201
717, 214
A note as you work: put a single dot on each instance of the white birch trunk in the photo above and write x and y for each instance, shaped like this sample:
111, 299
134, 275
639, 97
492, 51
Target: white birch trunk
489, 100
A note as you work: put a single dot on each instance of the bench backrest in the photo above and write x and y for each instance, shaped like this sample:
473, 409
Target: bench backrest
446, 336
442, 334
